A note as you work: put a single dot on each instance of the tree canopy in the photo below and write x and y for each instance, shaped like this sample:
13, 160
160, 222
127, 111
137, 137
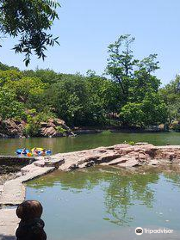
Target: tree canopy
140, 103
30, 21
130, 98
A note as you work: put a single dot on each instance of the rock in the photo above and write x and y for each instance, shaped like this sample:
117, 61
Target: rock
11, 128
40, 163
59, 122
43, 124
1, 188
154, 162
3, 135
74, 166
130, 163
18, 174
142, 143
53, 162
50, 131
168, 155
116, 161
14, 128
142, 156
86, 164
8, 224
108, 156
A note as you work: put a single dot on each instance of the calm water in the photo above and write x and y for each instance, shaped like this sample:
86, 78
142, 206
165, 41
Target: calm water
9, 146
104, 203
108, 204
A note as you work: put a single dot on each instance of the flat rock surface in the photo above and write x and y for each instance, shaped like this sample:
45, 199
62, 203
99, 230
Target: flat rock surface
8, 224
130, 163
122, 155
13, 192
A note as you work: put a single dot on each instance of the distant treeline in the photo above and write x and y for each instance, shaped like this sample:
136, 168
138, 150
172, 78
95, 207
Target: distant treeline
130, 97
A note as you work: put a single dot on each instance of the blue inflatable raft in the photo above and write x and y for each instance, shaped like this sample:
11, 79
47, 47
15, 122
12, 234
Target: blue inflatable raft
20, 151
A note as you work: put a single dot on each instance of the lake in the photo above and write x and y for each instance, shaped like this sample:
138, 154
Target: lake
102, 203
108, 204
67, 144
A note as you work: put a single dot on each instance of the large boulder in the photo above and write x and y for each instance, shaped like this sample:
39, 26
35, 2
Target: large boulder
11, 128
55, 128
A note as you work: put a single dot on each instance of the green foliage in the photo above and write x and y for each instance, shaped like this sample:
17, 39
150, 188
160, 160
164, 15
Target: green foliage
171, 95
29, 20
175, 125
140, 104
131, 74
132, 114
68, 98
60, 129
47, 76
9, 76
121, 63
152, 110
81, 100
90, 100
129, 142
5, 67
29, 91
9, 106
106, 132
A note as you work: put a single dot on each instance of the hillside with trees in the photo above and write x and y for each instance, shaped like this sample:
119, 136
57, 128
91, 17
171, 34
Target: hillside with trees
128, 95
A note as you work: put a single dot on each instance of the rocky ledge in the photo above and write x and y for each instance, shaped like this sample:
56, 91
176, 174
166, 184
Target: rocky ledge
120, 155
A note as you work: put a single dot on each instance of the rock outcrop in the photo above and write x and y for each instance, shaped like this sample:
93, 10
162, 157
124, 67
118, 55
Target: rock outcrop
11, 128
121, 155
55, 128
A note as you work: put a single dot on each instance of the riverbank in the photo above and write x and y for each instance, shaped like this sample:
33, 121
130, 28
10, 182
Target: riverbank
126, 156
54, 127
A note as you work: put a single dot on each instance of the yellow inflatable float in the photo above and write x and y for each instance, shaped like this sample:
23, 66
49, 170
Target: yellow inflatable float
40, 151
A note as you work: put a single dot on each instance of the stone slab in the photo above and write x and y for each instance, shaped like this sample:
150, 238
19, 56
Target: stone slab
8, 224
130, 163
14, 191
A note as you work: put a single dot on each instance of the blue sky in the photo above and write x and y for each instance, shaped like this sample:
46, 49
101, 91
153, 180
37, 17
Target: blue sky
86, 28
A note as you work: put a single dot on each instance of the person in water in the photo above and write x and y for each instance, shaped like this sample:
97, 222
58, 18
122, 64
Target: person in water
31, 226
43, 152
24, 151
35, 151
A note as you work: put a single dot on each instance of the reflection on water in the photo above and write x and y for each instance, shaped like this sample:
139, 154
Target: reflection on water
67, 144
103, 203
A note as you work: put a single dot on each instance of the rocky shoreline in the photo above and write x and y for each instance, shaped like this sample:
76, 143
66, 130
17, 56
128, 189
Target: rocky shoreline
11, 128
55, 127
12, 192
121, 155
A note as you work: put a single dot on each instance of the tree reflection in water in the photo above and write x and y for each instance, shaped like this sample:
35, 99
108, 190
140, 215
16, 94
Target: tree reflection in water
124, 190
121, 188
